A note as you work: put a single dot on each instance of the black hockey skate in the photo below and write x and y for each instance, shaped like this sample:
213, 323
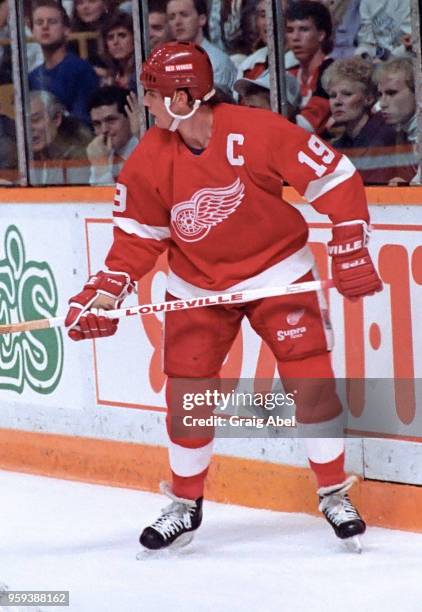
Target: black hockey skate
176, 525
339, 511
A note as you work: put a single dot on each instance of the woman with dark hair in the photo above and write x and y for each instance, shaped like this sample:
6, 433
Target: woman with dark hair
89, 16
256, 62
119, 48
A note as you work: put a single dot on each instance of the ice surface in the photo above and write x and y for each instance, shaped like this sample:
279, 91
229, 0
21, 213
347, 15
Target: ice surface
83, 538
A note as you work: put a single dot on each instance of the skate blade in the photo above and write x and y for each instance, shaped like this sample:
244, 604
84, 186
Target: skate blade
169, 551
353, 544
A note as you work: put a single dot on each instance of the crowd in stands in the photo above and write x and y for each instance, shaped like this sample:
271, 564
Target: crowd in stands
349, 77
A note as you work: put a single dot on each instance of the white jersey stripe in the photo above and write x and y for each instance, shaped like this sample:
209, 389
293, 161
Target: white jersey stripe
152, 232
282, 273
343, 171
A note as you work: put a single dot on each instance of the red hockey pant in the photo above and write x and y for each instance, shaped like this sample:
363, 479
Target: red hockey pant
298, 332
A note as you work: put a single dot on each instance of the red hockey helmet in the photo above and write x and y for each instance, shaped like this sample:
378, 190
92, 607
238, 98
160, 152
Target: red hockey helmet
179, 65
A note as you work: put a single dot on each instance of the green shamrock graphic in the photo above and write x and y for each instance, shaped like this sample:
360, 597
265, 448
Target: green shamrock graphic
28, 291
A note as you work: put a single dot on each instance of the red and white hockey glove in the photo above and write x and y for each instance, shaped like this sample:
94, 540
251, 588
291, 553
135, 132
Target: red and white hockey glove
84, 324
353, 272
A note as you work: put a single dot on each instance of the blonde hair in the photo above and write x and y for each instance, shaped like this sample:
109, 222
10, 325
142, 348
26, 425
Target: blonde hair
393, 66
354, 69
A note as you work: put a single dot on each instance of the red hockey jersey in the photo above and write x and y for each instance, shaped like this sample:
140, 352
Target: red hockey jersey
220, 214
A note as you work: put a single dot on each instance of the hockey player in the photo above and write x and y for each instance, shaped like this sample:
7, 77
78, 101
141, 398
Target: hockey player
204, 184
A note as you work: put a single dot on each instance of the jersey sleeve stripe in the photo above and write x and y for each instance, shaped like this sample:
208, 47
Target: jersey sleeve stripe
317, 188
152, 232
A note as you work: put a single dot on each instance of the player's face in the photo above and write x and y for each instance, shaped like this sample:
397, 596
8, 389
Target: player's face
89, 11
158, 31
43, 127
261, 21
154, 101
348, 101
184, 22
112, 125
48, 28
120, 43
397, 100
304, 39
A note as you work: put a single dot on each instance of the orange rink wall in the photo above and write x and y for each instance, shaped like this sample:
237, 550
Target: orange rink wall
234, 480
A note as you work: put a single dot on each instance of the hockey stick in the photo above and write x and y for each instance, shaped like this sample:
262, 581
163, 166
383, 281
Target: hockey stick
194, 302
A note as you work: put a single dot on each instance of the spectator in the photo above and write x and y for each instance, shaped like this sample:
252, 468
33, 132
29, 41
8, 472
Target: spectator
34, 55
257, 62
71, 79
232, 28
308, 35
157, 23
88, 16
58, 143
8, 150
187, 21
367, 140
111, 109
119, 48
396, 87
257, 93
346, 22
5, 54
383, 25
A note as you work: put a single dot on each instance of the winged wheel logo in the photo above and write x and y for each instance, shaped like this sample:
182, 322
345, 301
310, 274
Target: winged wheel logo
193, 220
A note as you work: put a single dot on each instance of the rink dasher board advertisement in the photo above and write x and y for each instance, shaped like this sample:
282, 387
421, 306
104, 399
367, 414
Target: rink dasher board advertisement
114, 388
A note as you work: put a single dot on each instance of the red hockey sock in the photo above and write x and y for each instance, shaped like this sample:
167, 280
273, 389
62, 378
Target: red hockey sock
329, 473
189, 487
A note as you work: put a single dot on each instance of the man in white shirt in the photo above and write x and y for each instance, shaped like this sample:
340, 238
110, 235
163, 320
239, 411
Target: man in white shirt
383, 26
114, 139
187, 20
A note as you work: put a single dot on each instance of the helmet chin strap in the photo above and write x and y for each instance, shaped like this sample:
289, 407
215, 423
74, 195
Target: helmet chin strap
178, 118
